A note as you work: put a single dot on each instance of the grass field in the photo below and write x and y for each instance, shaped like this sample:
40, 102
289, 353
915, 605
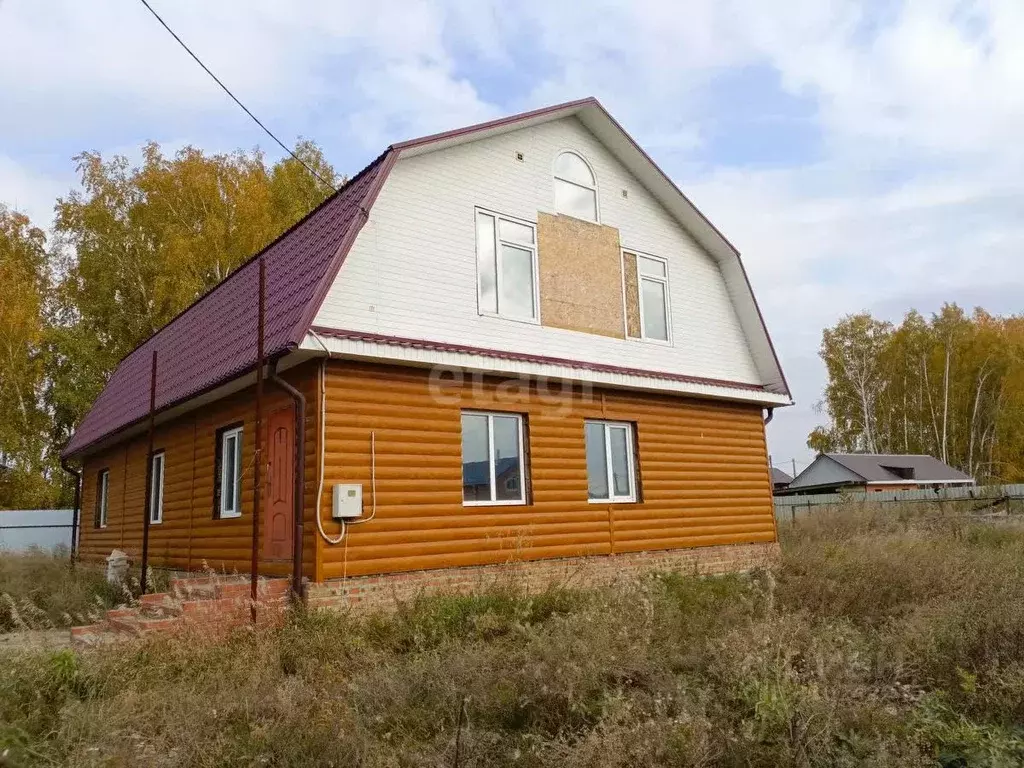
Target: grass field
892, 639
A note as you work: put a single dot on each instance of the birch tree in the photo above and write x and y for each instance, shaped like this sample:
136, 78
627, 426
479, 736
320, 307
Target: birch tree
140, 243
852, 352
951, 386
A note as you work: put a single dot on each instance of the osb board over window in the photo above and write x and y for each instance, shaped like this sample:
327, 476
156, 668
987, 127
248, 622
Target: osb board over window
580, 275
632, 295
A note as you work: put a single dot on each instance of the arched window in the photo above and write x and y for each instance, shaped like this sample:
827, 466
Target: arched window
575, 187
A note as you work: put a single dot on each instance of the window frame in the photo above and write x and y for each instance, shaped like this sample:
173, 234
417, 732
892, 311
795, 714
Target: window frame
631, 462
223, 434
593, 175
640, 277
498, 242
523, 471
102, 498
156, 506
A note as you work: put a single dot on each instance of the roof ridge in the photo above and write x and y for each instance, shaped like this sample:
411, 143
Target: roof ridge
496, 122
847, 453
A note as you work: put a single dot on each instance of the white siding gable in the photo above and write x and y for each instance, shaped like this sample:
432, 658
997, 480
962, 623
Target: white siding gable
411, 272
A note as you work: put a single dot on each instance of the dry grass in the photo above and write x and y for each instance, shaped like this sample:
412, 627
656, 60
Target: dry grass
41, 590
893, 640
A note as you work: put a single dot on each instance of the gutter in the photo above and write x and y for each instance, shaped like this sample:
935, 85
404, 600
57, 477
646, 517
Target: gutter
300, 474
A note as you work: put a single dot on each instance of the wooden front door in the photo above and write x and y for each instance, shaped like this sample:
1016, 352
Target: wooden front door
279, 526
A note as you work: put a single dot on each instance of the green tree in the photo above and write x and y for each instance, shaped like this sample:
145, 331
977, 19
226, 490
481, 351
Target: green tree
139, 244
24, 480
951, 386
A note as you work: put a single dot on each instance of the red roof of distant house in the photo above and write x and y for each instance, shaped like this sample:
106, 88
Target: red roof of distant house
214, 340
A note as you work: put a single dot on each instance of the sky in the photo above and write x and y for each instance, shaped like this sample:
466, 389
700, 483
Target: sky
861, 155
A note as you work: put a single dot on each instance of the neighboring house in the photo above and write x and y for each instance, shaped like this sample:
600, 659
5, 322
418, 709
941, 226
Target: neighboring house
477, 480
519, 338
780, 480
834, 472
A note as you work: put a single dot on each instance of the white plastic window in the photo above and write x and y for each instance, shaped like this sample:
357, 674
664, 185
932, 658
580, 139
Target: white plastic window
506, 252
652, 276
575, 187
231, 473
611, 473
492, 458
156, 489
103, 497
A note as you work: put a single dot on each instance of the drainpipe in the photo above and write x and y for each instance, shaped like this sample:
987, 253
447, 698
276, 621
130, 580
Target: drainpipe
769, 417
257, 478
78, 506
300, 466
147, 506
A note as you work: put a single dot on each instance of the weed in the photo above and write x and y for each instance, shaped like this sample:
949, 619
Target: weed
882, 640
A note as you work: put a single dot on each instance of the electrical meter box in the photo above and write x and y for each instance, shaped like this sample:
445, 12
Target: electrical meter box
348, 501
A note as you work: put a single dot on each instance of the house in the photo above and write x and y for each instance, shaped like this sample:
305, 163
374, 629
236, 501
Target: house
834, 472
513, 341
476, 478
780, 480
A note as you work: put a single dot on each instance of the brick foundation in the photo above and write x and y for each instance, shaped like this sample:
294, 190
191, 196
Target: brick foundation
387, 590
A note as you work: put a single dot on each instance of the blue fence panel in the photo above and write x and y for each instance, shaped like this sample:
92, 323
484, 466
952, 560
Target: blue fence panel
22, 529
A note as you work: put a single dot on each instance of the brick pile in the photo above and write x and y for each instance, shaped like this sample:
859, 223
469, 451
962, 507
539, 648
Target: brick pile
210, 603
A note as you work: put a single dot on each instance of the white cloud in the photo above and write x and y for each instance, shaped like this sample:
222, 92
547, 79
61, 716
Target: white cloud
409, 99
31, 192
910, 196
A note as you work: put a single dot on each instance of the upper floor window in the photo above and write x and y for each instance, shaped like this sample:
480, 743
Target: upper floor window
506, 257
575, 187
648, 313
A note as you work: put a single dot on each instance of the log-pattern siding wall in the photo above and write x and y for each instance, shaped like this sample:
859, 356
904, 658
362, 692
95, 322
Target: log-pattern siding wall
703, 466
703, 474
189, 536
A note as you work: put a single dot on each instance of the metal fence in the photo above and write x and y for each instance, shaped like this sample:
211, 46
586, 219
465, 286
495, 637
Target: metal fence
22, 529
789, 507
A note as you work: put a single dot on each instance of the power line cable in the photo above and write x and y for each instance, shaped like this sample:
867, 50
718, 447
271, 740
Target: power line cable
234, 98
